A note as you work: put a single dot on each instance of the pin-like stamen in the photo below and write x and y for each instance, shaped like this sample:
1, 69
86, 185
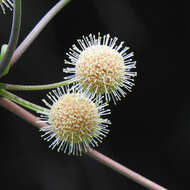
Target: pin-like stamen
101, 67
8, 3
75, 122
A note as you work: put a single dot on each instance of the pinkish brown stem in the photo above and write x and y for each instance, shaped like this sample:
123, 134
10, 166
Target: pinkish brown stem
21, 112
124, 171
36, 30
27, 116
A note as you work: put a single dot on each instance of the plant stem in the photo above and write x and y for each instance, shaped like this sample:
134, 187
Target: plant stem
22, 102
19, 111
27, 116
35, 87
124, 171
37, 29
15, 31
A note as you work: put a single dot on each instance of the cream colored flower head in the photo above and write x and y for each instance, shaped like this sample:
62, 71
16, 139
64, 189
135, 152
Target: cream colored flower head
7, 3
75, 122
101, 67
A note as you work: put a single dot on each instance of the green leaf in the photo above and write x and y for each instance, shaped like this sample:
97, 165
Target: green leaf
3, 51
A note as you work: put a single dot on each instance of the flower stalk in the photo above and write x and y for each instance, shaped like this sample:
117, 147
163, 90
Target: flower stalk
22, 102
35, 87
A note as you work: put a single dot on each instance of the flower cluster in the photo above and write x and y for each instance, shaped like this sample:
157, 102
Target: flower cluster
101, 71
8, 3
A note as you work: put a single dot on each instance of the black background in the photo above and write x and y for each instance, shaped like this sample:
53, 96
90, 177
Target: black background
150, 131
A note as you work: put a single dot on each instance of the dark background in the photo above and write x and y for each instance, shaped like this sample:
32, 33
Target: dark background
150, 130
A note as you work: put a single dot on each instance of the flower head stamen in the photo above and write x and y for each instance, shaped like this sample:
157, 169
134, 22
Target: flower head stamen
8, 3
101, 67
74, 121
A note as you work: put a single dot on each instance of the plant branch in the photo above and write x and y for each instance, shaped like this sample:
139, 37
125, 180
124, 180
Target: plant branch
37, 29
35, 87
124, 171
19, 111
15, 31
27, 116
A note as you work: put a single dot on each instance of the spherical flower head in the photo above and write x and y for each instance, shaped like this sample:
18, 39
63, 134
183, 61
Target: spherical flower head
7, 3
101, 67
74, 122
